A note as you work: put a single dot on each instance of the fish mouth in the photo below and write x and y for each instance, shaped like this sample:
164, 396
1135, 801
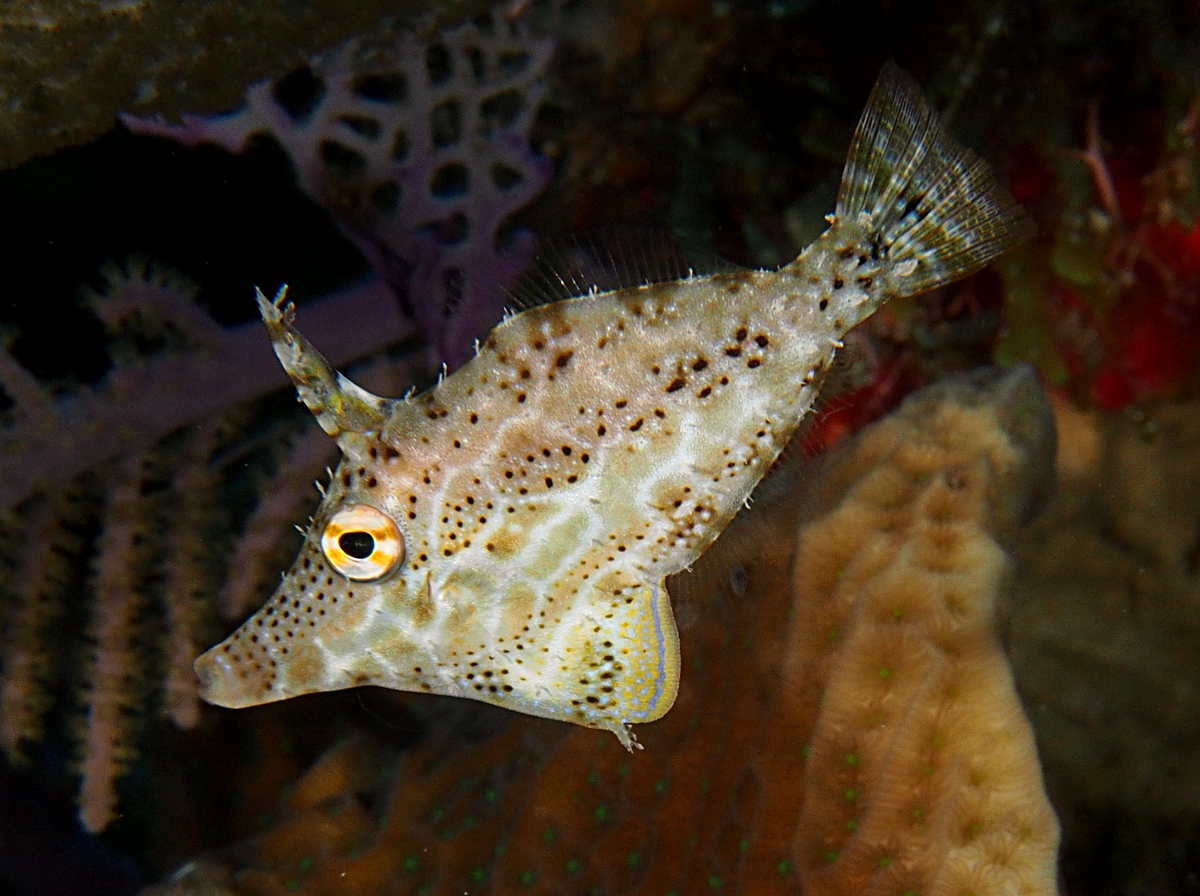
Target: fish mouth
224, 680
212, 671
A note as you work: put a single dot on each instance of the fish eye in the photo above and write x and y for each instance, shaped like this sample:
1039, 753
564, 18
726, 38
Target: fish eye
362, 543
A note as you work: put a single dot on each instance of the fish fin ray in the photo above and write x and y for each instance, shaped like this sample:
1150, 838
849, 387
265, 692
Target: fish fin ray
928, 198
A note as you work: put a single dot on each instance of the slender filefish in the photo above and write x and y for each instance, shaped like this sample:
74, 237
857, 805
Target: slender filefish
507, 534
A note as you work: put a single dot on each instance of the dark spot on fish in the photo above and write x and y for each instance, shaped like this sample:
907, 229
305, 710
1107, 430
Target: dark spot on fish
634, 427
563, 360
753, 362
734, 352
762, 341
675, 385
823, 304
705, 392
838, 282
700, 364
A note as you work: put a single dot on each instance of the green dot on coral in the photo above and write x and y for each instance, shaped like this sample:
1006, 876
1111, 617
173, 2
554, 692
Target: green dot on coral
573, 866
851, 795
743, 845
704, 785
622, 770
527, 878
634, 860
831, 856
805, 750
601, 813
501, 848
305, 864
917, 812
411, 863
548, 835
478, 875
714, 882
784, 866
292, 885
593, 778
884, 861
897, 614
660, 786
852, 824
833, 635
885, 673
491, 795
851, 759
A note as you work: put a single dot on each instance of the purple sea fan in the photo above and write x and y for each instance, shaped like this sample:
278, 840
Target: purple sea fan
419, 151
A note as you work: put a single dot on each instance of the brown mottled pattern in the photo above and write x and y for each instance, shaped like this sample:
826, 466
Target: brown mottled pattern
590, 449
789, 764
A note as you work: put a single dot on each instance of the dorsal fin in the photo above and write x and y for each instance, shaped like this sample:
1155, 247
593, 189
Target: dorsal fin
607, 260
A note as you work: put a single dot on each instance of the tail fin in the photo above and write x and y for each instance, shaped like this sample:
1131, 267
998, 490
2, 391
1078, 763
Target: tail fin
930, 199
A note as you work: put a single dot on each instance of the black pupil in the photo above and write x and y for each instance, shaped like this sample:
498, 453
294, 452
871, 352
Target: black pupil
358, 545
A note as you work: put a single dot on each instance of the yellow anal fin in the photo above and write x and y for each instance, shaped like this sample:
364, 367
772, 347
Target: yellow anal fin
628, 667
651, 680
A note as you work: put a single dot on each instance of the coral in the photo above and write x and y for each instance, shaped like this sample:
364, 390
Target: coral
921, 773
1112, 309
51, 435
108, 476
418, 149
69, 68
150, 442
745, 785
1105, 645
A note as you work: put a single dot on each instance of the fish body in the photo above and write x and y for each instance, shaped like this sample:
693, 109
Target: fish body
507, 534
